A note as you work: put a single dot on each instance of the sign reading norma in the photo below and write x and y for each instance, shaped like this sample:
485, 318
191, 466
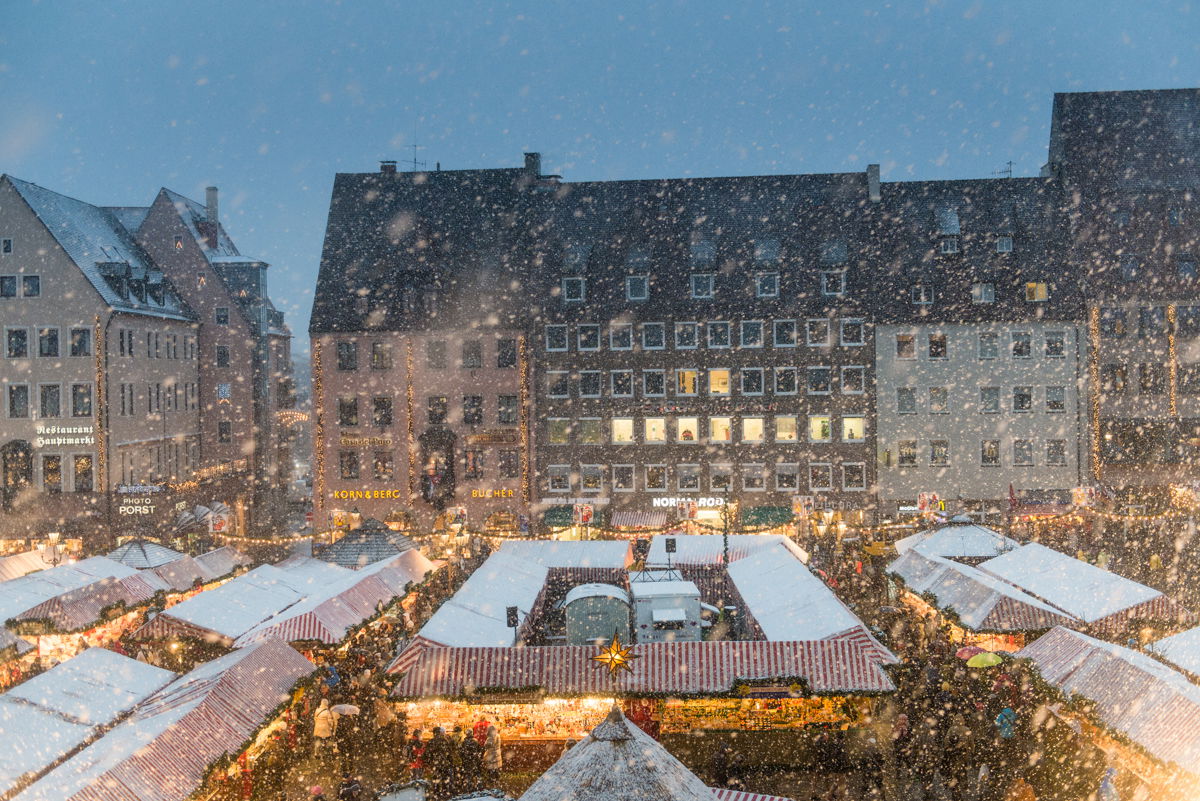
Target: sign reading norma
49, 436
672, 502
368, 495
493, 493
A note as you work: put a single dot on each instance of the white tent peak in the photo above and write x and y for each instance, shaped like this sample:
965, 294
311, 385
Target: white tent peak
614, 727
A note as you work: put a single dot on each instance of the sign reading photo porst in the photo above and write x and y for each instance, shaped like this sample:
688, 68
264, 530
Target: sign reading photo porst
139, 499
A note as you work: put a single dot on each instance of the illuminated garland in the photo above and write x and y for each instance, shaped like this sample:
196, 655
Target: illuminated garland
408, 419
319, 428
523, 390
1173, 365
1094, 381
101, 416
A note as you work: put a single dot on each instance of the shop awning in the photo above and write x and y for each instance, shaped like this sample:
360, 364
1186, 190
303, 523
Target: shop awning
758, 516
656, 518
558, 516
684, 668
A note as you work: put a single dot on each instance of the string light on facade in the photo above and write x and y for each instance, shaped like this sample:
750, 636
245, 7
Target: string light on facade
1173, 363
523, 389
408, 419
1094, 381
319, 426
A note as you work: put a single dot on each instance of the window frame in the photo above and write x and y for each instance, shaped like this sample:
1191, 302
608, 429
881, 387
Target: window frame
694, 285
616, 486
846, 486
599, 384
566, 337
612, 387
827, 486
662, 376
824, 341
762, 381
578, 281
814, 369
759, 279
847, 369
591, 328
695, 326
666, 475
629, 284
714, 325
775, 327
826, 283
742, 326
862, 330
829, 423
662, 329
695, 382
795, 390
627, 329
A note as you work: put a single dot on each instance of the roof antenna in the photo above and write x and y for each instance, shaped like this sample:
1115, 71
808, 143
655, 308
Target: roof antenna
1006, 172
413, 161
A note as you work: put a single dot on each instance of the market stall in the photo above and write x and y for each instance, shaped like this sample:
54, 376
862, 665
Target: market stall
960, 539
1182, 650
979, 609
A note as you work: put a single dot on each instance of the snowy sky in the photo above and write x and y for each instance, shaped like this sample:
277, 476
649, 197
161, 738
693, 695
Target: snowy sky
267, 100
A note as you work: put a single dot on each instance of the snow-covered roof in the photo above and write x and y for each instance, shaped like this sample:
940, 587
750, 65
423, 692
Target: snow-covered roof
21, 564
144, 554
161, 752
595, 591
476, 614
661, 589
231, 610
91, 236
1077, 587
615, 554
982, 602
1153, 705
368, 544
618, 762
708, 549
22, 594
1181, 650
786, 600
959, 539
49, 715
223, 561
12, 645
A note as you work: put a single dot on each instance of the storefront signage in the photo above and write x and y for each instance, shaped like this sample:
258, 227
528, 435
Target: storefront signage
368, 495
493, 493
502, 436
138, 499
49, 436
659, 503
366, 442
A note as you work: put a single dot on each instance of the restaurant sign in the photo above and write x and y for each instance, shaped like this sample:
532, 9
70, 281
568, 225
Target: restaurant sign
50, 436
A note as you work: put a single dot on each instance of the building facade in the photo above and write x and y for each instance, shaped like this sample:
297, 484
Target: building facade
105, 395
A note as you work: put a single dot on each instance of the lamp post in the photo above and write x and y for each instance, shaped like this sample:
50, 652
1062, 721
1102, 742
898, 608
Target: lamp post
52, 554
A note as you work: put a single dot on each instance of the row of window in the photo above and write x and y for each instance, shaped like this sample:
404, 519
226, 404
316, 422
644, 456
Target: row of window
981, 292
159, 345
436, 354
437, 410
819, 380
714, 334
1023, 453
50, 400
30, 286
1022, 399
1152, 321
83, 478
474, 465
1020, 345
785, 477
687, 429
1153, 378
169, 398
18, 342
701, 286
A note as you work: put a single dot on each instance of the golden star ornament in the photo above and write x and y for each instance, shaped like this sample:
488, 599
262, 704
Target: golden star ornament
615, 656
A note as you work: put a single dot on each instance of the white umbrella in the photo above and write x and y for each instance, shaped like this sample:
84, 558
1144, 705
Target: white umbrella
345, 709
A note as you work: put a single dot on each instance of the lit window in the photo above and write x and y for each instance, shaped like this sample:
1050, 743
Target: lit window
591, 431
939, 452
622, 430
906, 453
989, 453
854, 429
655, 429
574, 290
752, 429
687, 429
720, 429
687, 381
1036, 292
637, 287
820, 428
558, 431
786, 429
703, 285
718, 381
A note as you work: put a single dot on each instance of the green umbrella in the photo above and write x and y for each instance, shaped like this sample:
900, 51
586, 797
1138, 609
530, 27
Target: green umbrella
984, 660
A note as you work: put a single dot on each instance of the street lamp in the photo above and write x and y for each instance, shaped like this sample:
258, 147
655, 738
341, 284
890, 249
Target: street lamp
52, 554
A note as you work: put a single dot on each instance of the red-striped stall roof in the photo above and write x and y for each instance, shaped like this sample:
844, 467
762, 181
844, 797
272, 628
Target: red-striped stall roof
725, 794
682, 668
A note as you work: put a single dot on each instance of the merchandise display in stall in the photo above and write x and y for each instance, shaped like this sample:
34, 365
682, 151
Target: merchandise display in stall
553, 718
759, 714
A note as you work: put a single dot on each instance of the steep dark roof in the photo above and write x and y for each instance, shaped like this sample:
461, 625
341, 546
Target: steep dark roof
371, 542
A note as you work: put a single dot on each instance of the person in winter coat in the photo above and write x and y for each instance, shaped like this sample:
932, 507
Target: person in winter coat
325, 722
316, 793
470, 755
439, 761
720, 765
416, 756
493, 760
350, 789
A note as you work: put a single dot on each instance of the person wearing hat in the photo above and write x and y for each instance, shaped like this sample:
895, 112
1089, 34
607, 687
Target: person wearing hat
350, 789
316, 792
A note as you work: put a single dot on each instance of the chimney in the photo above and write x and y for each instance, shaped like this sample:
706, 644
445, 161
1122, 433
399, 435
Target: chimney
873, 183
210, 205
387, 167
533, 164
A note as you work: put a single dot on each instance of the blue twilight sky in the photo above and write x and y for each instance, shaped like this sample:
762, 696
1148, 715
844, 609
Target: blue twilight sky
267, 100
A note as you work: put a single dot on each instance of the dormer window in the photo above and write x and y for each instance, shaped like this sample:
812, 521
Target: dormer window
703, 252
949, 244
922, 294
575, 256
1004, 244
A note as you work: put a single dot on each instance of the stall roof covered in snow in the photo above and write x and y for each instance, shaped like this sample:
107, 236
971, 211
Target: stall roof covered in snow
618, 762
51, 714
73, 595
959, 539
1153, 705
161, 752
144, 554
21, 564
369, 543
789, 603
229, 611
982, 602
1181, 650
708, 549
616, 554
1081, 589
223, 561
475, 615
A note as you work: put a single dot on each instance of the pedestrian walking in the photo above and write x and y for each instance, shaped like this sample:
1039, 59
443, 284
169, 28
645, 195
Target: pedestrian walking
350, 789
720, 765
493, 759
325, 722
470, 774
416, 756
439, 762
